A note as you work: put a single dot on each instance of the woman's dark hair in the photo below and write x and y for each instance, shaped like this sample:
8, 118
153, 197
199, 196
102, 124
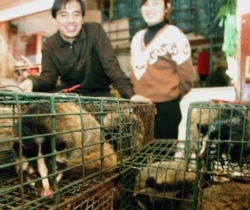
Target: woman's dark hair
166, 18
58, 4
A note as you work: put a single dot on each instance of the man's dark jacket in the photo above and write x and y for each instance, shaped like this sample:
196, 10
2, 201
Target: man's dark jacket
89, 62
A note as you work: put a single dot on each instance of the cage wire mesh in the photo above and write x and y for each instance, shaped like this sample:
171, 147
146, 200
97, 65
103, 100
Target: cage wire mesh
62, 151
156, 178
115, 124
218, 136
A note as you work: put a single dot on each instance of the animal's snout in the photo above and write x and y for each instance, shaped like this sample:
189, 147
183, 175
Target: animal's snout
48, 194
213, 150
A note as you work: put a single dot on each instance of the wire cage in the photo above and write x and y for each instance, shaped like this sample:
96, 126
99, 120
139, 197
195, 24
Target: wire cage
62, 151
218, 136
157, 178
142, 127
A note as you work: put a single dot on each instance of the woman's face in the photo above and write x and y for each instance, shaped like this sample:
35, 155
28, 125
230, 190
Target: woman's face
153, 11
69, 20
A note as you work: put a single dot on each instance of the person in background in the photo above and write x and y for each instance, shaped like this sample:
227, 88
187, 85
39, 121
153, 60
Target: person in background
162, 68
81, 55
218, 78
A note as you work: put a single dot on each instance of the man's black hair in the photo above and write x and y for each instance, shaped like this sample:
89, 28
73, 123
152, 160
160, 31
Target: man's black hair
58, 4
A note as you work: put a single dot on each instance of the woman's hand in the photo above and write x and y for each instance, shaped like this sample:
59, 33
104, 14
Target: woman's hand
140, 99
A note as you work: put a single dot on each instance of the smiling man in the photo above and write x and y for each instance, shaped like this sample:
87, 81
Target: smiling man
68, 19
81, 55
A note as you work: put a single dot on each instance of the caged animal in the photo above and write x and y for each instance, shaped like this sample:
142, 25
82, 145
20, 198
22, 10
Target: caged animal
117, 122
6, 124
77, 141
165, 185
200, 116
228, 135
120, 123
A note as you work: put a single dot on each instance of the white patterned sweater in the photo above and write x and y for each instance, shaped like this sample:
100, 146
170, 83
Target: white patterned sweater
162, 70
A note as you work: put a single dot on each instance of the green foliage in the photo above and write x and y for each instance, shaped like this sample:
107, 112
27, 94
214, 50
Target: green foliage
227, 18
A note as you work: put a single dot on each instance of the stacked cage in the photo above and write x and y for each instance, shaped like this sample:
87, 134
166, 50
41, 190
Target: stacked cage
62, 151
159, 178
218, 136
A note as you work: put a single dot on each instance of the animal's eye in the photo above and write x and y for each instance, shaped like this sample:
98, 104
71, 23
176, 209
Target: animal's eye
33, 176
61, 165
60, 145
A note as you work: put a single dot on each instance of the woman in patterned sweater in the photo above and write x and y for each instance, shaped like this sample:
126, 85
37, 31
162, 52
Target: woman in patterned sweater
162, 68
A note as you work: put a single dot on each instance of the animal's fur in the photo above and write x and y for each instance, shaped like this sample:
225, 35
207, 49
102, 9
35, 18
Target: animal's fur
6, 125
231, 131
220, 134
162, 183
75, 130
198, 117
119, 122
217, 118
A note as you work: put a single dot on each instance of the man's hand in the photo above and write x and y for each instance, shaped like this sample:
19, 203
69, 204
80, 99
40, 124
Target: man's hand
26, 85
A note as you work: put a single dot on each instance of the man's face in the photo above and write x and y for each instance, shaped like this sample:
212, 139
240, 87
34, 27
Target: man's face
69, 20
153, 11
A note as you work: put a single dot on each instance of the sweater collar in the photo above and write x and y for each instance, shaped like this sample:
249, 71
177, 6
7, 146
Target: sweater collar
152, 31
157, 27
